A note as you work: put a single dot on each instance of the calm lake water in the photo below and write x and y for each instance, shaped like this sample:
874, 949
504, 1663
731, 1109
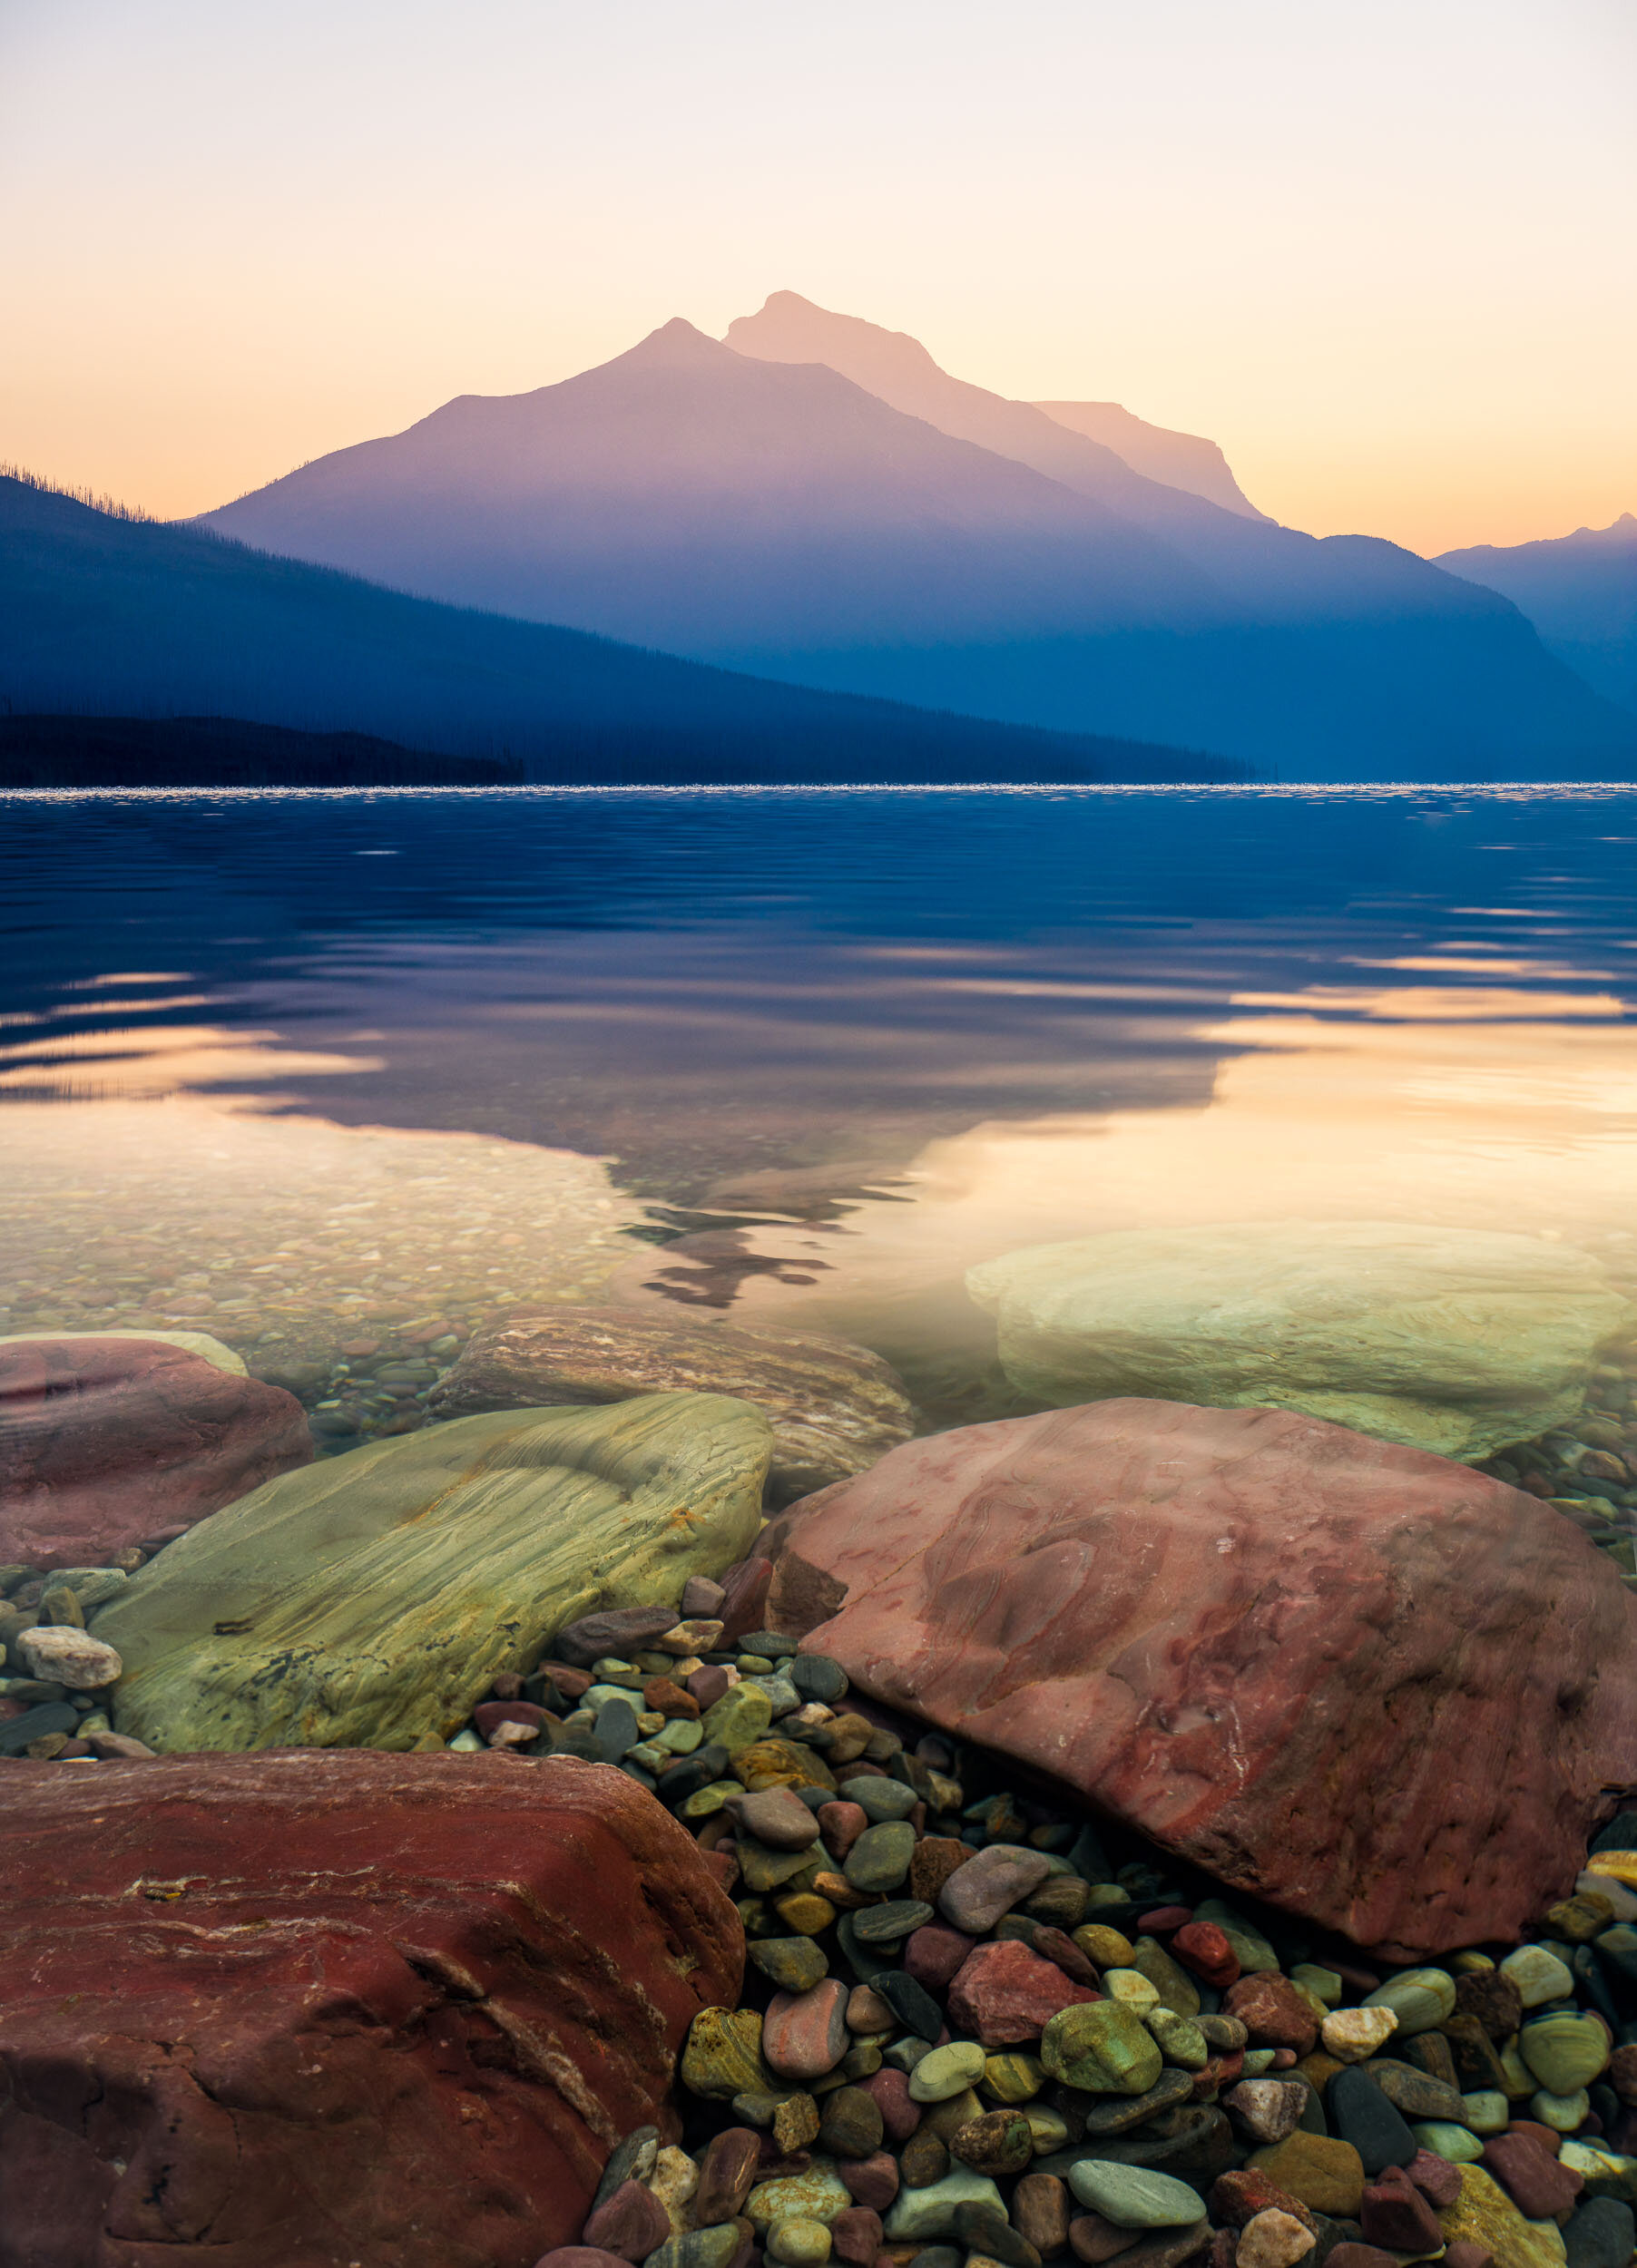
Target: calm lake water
318, 1070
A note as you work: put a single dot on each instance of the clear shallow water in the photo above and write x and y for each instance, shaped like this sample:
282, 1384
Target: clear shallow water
311, 1070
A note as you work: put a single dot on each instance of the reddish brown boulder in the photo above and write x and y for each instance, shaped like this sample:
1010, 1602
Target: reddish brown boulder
1384, 1692
104, 1441
335, 2007
1004, 1994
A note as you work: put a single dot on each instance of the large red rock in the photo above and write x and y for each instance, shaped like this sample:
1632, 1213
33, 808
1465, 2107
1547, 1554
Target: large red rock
104, 1441
1382, 1691
335, 2009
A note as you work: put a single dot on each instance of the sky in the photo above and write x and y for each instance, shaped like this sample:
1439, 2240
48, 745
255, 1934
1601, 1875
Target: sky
1384, 251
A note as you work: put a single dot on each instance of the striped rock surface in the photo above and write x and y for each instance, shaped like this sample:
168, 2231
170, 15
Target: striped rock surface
344, 2010
372, 1599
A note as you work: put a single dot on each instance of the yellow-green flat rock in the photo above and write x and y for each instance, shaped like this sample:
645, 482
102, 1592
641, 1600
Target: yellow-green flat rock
1484, 2215
1455, 1340
369, 1601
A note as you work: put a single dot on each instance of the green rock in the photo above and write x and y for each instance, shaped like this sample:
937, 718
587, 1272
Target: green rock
1487, 2111
698, 2248
681, 1735
1180, 2040
1565, 2113
739, 1719
707, 1800
763, 1870
1447, 2141
1420, 1999
1131, 2197
880, 1858
819, 2195
1564, 2053
945, 2072
721, 2056
795, 1964
1175, 1986
919, 2213
372, 1599
1101, 2048
1459, 1341
1324, 1984
798, 2243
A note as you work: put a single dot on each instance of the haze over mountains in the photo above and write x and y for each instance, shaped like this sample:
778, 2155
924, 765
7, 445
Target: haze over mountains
1180, 460
1579, 590
817, 501
103, 617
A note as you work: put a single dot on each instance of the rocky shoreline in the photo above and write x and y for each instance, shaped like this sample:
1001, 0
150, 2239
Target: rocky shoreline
737, 1828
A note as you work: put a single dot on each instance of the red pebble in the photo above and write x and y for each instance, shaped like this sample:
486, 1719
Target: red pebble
841, 1824
487, 1714
1549, 2138
1237, 2196
900, 2113
579, 2256
1004, 1994
1284, 2058
870, 2181
855, 2236
1203, 1948
1466, 2252
1368, 2256
1094, 2239
744, 1598
1438, 2180
935, 1954
1164, 1919
1273, 2011
1396, 2216
631, 2224
1532, 2176
707, 1686
724, 1865
572, 1684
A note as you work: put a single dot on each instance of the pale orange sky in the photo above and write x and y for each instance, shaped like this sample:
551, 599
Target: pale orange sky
1383, 253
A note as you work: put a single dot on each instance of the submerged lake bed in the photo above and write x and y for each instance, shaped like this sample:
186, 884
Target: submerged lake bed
1049, 1375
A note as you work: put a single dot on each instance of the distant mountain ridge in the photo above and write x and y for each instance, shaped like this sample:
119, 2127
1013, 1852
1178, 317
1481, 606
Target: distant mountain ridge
116, 618
1579, 590
1180, 460
781, 518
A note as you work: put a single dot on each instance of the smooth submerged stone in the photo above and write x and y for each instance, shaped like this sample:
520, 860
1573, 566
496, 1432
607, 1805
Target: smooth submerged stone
1103, 2048
930, 2211
538, 1934
1377, 1612
110, 1437
804, 2034
833, 1407
372, 1599
722, 2057
1133, 2198
1456, 1340
1483, 2214
817, 2194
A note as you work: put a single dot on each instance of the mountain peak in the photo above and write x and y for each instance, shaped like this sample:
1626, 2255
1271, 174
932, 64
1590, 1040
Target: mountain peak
788, 329
676, 342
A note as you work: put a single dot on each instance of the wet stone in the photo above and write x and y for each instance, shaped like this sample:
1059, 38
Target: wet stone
992, 1882
793, 1963
999, 2143
879, 1860
852, 2126
1133, 2196
1360, 2114
1101, 2048
616, 1732
727, 2171
804, 2035
887, 1924
631, 2224
818, 1678
923, 2159
880, 1799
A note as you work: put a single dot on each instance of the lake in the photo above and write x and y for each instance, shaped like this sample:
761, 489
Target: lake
311, 1070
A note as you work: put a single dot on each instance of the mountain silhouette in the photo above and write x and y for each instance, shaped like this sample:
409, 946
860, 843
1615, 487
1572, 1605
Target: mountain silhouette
779, 518
1180, 460
107, 617
898, 369
1579, 590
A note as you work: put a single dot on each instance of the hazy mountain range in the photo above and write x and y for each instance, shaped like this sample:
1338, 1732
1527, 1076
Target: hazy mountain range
857, 518
107, 617
1579, 590
808, 552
